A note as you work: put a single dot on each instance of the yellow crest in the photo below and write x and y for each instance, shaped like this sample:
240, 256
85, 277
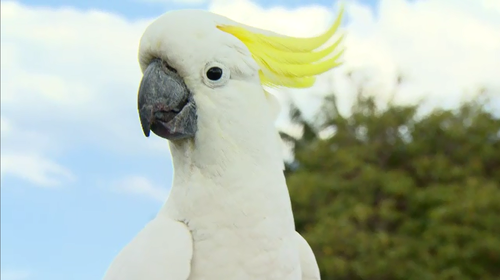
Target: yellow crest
289, 61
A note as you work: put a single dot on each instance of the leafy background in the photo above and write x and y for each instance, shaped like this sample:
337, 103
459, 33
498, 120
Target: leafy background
393, 194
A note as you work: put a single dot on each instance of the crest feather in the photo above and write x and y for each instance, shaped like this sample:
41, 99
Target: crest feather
290, 61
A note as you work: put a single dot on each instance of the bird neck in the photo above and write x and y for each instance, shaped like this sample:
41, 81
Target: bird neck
229, 175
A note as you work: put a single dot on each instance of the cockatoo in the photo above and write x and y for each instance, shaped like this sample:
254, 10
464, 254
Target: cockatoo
228, 214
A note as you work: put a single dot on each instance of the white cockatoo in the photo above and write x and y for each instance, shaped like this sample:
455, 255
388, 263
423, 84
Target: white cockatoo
228, 214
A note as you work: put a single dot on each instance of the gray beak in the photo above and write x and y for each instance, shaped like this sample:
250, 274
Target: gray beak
165, 104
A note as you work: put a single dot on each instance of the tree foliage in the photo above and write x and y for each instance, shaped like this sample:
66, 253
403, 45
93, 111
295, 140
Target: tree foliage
393, 196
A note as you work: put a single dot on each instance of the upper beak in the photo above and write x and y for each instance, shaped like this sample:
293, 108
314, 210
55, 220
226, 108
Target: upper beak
165, 103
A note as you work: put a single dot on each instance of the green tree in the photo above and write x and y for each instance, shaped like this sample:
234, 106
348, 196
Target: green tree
391, 195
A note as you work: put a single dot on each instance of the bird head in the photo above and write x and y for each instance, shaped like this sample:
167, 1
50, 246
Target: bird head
204, 74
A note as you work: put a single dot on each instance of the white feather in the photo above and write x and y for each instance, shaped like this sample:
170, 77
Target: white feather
310, 270
161, 251
229, 189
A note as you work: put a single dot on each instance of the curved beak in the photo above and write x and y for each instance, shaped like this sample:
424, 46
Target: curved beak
166, 106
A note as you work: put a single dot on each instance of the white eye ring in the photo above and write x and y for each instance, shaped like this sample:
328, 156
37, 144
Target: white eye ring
215, 74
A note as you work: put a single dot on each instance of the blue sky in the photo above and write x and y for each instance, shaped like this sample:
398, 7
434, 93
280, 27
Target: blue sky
79, 179
134, 9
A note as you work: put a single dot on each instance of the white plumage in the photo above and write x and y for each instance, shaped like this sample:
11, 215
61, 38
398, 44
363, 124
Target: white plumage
228, 215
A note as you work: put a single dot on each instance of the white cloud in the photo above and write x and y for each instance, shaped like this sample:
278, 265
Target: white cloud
36, 169
14, 275
72, 74
23, 155
69, 81
188, 2
303, 21
138, 185
493, 5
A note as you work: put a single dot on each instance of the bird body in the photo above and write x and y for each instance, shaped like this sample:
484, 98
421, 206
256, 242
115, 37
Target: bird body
228, 214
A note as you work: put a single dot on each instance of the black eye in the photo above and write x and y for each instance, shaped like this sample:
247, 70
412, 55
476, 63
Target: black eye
214, 73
